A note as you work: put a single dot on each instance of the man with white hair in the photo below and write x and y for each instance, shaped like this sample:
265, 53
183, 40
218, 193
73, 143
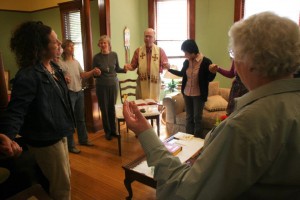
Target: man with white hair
150, 60
255, 152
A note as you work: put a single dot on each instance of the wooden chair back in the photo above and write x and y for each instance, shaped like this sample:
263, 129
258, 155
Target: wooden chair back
3, 87
127, 89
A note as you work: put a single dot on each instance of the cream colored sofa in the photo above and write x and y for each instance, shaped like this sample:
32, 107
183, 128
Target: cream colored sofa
214, 108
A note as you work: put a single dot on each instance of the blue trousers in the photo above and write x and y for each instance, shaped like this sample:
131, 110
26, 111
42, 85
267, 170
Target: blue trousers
194, 110
77, 100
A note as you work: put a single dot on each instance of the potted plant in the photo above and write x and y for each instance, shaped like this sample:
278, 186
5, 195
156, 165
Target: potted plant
172, 85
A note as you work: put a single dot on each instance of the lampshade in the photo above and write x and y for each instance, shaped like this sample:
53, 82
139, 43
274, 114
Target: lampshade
169, 75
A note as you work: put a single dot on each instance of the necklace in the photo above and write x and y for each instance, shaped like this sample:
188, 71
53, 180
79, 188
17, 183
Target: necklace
107, 62
51, 72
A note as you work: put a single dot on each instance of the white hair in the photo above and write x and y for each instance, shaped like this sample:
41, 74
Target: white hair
268, 43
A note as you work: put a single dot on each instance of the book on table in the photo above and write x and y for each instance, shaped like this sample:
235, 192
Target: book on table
173, 147
144, 102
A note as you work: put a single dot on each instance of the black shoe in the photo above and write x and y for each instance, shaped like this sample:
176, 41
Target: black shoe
200, 135
115, 135
74, 150
88, 143
108, 137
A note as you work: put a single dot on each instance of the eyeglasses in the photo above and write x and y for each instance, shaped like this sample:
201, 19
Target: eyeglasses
231, 53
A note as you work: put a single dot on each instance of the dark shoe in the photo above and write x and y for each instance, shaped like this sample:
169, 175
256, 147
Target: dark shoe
114, 135
88, 143
74, 150
201, 135
108, 137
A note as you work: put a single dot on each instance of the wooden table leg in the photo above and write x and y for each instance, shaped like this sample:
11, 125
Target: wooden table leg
158, 125
119, 139
119, 145
127, 183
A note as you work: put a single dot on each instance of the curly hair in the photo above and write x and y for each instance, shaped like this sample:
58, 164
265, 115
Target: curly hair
267, 43
29, 42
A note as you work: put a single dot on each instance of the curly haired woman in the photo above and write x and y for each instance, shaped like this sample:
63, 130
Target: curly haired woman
40, 108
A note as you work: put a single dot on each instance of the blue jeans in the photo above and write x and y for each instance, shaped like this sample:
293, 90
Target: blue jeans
77, 100
194, 109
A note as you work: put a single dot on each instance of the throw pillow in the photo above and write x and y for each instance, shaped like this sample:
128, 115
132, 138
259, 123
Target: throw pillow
215, 103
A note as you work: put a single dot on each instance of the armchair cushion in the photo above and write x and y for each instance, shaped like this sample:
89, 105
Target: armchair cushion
215, 103
213, 88
181, 118
179, 102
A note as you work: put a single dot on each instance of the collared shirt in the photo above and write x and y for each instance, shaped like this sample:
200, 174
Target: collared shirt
135, 59
192, 84
253, 154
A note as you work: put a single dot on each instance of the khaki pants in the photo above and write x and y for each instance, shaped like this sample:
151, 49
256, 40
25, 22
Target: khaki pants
54, 163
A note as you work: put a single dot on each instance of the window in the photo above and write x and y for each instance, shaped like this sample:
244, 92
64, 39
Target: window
71, 27
173, 21
287, 8
172, 28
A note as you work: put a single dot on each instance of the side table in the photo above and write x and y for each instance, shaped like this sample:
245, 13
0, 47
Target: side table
152, 112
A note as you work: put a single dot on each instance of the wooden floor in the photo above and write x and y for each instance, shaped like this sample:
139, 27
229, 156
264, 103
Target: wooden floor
97, 172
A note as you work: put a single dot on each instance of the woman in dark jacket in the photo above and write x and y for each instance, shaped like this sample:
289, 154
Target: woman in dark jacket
40, 109
195, 80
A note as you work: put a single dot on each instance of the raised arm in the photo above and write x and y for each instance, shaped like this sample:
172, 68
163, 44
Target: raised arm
118, 68
134, 61
181, 72
94, 72
227, 73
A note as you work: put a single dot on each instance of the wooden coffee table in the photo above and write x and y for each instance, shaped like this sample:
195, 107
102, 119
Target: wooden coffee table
137, 170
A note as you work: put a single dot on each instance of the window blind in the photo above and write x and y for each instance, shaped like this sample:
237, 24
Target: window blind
72, 31
72, 24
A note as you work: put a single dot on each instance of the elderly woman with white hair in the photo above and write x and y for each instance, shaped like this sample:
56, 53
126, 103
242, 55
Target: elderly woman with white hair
107, 84
255, 152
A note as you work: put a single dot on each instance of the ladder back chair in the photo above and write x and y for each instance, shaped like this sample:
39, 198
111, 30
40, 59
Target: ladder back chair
127, 89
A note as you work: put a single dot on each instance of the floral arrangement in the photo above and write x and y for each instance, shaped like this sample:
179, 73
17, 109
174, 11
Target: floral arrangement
220, 119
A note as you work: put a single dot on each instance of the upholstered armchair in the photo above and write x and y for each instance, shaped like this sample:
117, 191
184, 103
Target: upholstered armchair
214, 108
